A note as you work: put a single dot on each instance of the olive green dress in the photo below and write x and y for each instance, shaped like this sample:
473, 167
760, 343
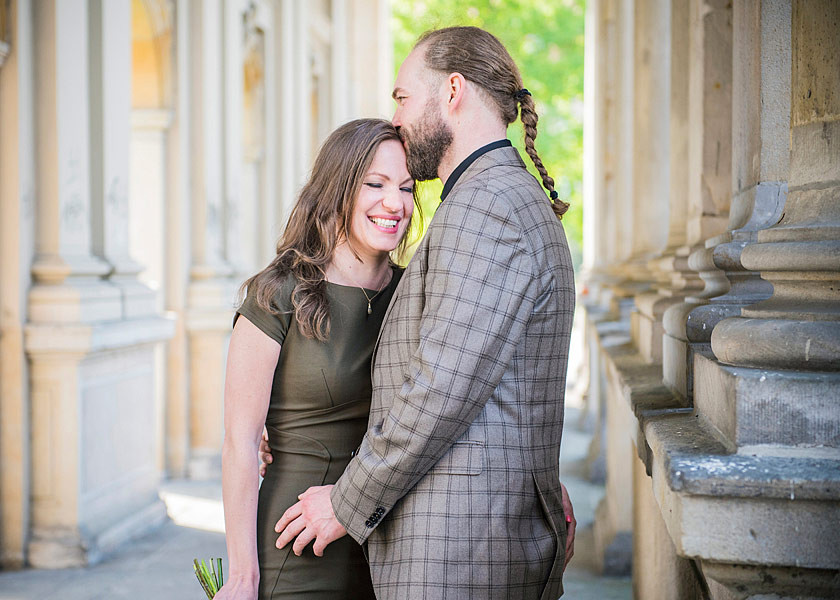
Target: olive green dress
317, 416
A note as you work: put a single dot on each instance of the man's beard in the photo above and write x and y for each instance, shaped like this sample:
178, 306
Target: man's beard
426, 143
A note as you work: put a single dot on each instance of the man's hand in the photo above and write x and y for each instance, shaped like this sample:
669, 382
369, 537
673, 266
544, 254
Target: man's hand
312, 518
264, 452
571, 523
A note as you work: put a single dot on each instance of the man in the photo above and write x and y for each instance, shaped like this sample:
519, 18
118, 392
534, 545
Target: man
455, 488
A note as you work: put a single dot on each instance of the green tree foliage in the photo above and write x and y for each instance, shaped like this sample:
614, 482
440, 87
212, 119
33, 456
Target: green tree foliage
545, 39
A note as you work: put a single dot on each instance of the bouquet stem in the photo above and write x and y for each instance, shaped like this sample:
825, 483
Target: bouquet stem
211, 579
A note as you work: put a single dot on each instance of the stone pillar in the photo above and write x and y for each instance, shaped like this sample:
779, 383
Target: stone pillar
765, 417
110, 125
177, 211
612, 528
252, 227
17, 185
651, 137
599, 217
91, 356
709, 162
371, 59
799, 326
675, 279
211, 291
761, 121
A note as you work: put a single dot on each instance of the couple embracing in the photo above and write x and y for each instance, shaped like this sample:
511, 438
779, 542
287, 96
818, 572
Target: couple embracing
440, 477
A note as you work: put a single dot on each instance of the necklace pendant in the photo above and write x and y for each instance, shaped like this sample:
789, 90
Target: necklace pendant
370, 311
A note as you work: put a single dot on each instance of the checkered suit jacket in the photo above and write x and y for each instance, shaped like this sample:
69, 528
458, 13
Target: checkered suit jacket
455, 487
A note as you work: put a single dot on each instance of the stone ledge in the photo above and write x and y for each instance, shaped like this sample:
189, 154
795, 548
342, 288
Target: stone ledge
697, 463
56, 338
730, 508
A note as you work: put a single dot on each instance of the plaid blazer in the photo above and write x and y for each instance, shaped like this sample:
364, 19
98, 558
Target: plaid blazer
455, 487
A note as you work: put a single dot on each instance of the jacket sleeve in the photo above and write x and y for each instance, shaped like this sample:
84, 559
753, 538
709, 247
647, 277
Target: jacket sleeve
479, 294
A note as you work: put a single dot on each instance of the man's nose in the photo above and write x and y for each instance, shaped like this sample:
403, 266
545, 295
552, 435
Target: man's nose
395, 120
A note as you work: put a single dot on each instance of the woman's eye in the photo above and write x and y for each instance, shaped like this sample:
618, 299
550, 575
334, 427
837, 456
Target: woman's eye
374, 185
407, 189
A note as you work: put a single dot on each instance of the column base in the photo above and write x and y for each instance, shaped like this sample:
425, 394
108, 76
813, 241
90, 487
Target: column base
50, 548
747, 405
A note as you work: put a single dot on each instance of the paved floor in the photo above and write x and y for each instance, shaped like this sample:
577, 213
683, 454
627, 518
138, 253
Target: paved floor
160, 564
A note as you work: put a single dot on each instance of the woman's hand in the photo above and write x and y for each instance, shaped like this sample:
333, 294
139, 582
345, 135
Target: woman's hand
264, 452
239, 588
571, 524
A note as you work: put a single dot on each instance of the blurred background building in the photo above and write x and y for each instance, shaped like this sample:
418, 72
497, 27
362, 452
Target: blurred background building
150, 151
711, 286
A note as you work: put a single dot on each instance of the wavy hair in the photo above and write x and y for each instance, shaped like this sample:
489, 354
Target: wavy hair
319, 222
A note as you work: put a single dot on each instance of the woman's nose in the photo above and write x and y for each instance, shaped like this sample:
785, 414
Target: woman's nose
391, 201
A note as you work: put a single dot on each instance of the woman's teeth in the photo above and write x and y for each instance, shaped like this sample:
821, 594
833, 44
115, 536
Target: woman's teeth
389, 223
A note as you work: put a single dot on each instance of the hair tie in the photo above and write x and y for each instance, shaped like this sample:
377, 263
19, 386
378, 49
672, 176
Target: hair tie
553, 195
521, 94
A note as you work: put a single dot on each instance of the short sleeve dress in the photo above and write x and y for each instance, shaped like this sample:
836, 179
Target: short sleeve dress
317, 416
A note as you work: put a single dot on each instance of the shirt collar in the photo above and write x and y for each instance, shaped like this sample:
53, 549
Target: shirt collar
459, 170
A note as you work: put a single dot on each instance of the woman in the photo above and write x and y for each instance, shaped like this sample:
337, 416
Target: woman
299, 361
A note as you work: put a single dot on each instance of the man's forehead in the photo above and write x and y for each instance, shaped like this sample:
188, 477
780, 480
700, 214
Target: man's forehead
410, 69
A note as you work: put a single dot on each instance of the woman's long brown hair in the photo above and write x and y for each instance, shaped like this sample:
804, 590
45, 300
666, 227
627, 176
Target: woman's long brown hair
319, 222
483, 60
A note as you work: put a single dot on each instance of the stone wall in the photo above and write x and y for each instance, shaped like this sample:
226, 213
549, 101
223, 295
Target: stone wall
714, 332
150, 151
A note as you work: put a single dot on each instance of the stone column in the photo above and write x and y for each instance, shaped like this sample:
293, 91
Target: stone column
651, 137
599, 217
612, 528
92, 370
799, 326
760, 162
626, 270
211, 291
251, 216
371, 62
110, 115
17, 185
177, 215
674, 279
767, 413
709, 163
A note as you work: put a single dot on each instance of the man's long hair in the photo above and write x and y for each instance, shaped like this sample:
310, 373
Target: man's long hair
484, 61
320, 221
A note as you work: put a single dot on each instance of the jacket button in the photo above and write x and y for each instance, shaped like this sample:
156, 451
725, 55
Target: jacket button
352, 453
380, 511
368, 523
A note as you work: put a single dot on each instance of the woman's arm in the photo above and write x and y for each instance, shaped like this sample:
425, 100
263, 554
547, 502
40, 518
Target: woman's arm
252, 358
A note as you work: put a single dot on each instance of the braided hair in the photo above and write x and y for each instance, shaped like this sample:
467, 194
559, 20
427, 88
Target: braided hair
482, 59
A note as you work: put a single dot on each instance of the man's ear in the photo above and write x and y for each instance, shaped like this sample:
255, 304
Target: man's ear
456, 87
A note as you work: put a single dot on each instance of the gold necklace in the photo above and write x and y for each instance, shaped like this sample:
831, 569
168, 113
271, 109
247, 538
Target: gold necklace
370, 298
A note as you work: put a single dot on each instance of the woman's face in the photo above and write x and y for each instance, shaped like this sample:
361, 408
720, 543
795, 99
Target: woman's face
384, 204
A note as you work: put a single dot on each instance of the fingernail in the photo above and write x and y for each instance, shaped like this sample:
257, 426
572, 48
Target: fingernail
568, 519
